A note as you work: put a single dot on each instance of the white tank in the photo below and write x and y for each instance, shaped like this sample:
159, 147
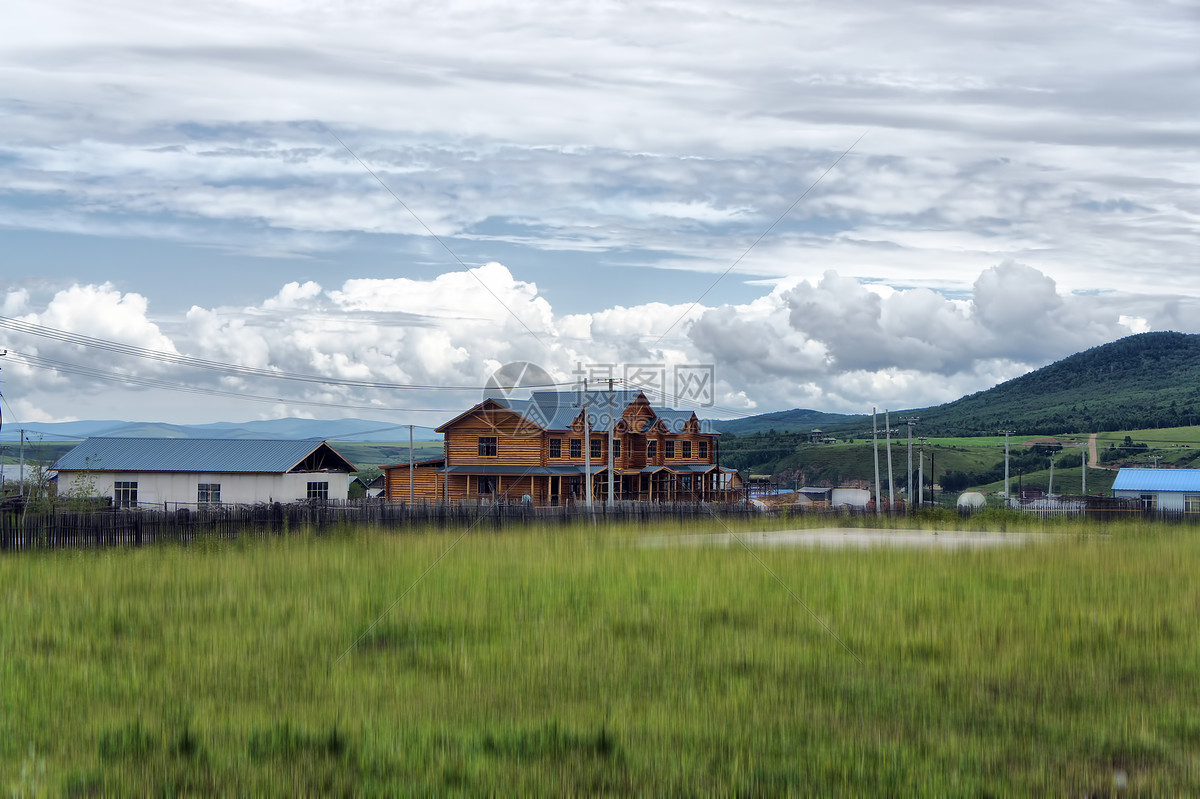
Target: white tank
971, 499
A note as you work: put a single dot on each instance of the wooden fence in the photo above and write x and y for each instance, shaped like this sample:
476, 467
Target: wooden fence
22, 529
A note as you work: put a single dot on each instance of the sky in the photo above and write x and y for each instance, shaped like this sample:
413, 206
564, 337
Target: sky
749, 206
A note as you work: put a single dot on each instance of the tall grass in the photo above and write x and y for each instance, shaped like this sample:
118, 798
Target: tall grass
575, 662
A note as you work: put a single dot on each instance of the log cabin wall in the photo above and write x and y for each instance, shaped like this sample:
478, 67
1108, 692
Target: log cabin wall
488, 446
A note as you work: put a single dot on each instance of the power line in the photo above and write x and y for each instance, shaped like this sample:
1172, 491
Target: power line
225, 368
147, 382
760, 238
437, 238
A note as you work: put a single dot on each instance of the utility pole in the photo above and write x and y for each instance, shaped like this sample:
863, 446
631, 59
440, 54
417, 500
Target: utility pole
910, 421
410, 464
932, 476
21, 466
1007, 495
921, 476
1083, 468
875, 447
887, 423
1156, 459
587, 451
612, 429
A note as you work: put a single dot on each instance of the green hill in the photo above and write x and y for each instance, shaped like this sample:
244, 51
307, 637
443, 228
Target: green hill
1145, 381
1150, 380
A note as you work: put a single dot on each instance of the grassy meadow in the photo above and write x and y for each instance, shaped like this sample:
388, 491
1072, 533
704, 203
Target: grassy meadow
576, 661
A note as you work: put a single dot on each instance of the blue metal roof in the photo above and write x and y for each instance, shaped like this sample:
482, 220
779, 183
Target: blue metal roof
1157, 480
556, 410
197, 455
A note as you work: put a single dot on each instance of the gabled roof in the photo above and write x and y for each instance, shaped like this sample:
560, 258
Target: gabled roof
557, 410
1157, 480
235, 455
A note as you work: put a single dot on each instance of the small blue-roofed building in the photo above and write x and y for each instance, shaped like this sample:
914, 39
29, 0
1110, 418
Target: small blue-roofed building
1164, 490
201, 472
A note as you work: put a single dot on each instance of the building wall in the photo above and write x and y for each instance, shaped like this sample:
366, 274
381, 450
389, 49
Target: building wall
426, 483
521, 443
517, 442
156, 488
1170, 501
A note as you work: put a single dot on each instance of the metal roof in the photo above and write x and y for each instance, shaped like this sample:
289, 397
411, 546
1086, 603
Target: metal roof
1157, 480
274, 456
556, 410
693, 468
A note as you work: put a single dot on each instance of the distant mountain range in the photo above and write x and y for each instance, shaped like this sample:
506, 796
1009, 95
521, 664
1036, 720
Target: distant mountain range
1142, 381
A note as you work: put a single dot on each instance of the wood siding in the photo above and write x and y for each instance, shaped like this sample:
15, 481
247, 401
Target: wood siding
521, 444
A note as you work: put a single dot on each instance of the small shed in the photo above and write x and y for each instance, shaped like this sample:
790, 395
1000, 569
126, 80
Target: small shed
850, 497
1171, 490
181, 472
813, 495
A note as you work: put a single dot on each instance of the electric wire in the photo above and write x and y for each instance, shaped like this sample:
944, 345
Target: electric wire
65, 367
226, 368
437, 238
762, 236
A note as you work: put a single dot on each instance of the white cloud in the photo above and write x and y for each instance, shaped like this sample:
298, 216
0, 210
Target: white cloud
835, 344
1027, 186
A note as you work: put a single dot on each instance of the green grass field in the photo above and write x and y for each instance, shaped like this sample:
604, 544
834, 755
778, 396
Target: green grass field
577, 662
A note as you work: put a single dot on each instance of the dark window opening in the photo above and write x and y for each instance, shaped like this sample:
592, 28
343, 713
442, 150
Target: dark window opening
125, 494
208, 494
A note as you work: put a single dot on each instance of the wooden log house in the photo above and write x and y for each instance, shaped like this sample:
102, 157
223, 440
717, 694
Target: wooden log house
508, 450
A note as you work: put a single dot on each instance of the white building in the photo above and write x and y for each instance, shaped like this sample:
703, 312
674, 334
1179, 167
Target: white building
1170, 490
199, 472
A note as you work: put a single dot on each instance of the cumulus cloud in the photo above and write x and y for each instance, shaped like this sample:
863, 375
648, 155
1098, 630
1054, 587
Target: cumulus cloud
840, 343
835, 344
1027, 188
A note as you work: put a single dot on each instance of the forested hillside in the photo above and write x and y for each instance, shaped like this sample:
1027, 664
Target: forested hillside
1151, 380
1143, 381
